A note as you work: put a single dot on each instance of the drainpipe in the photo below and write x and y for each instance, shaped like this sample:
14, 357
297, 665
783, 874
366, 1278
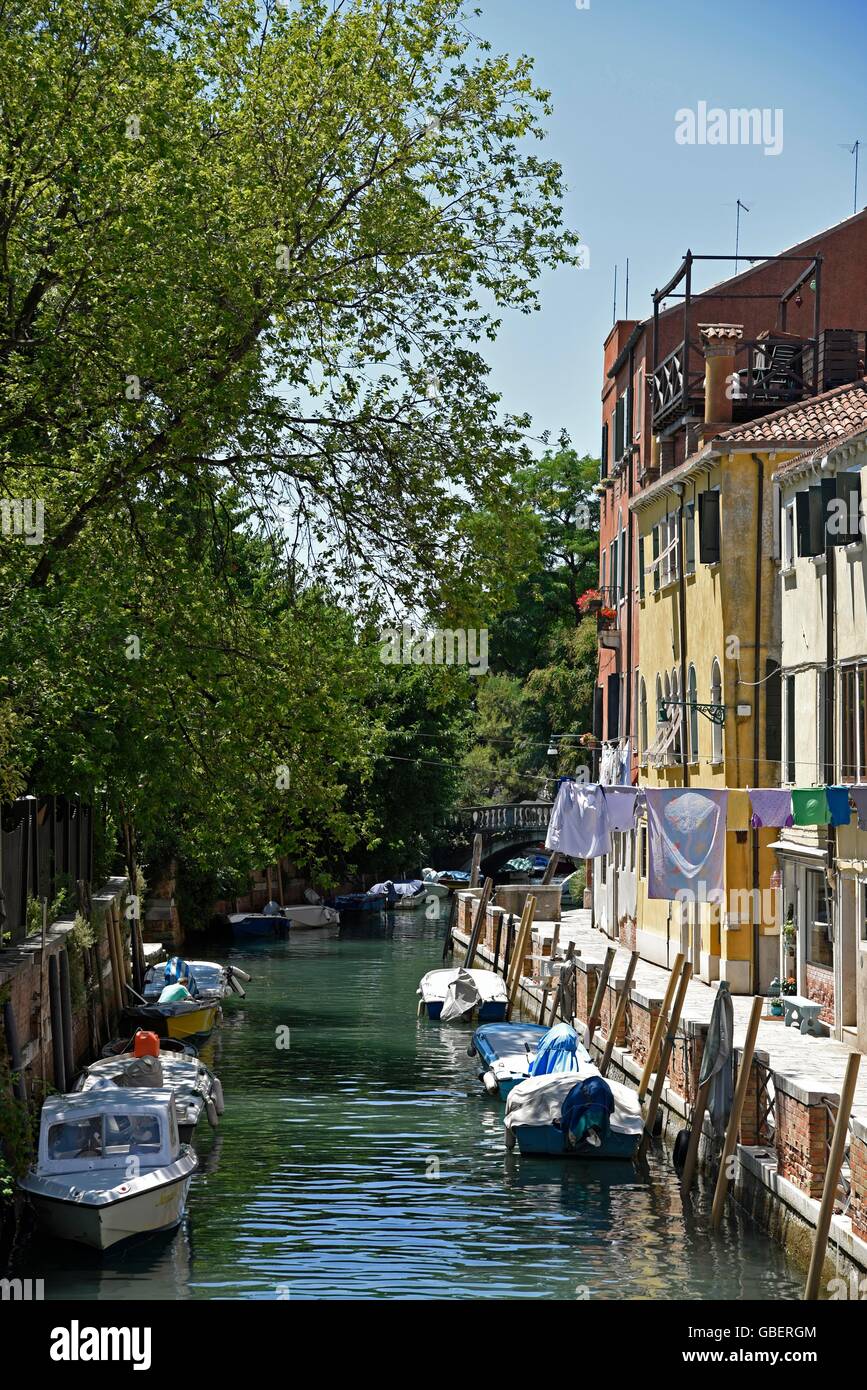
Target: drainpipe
757, 675
680, 491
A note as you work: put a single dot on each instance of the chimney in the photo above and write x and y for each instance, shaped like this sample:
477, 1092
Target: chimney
719, 343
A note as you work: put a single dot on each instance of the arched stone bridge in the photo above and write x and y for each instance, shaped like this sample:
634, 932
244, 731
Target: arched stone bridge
505, 829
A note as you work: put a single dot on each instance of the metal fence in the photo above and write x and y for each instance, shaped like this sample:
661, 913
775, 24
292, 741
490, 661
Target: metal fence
46, 844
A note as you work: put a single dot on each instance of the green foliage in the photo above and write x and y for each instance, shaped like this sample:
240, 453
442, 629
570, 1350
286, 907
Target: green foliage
78, 940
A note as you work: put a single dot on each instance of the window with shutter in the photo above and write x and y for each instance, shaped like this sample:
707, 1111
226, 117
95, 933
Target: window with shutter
773, 712
709, 527
844, 513
613, 706
656, 557
689, 538
604, 453
618, 431
802, 518
641, 567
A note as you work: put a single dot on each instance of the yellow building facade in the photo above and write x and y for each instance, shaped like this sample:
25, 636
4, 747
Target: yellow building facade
708, 688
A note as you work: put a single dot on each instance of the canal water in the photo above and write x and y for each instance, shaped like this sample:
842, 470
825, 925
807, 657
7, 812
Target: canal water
363, 1160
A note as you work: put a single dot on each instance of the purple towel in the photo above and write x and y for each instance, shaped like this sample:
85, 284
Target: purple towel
687, 840
771, 807
859, 796
620, 802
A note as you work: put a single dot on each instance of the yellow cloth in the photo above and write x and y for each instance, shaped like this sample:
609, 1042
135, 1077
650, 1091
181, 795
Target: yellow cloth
739, 809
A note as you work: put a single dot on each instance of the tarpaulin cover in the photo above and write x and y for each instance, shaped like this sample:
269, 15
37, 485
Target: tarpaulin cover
588, 1106
560, 1050
716, 1060
397, 890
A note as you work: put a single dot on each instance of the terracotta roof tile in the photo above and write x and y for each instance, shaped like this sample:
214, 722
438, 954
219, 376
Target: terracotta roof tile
813, 421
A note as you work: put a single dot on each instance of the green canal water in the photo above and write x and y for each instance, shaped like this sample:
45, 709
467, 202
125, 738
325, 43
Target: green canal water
365, 1161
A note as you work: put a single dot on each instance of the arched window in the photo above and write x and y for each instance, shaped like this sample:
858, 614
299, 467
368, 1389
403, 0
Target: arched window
676, 712
642, 719
716, 698
658, 700
692, 697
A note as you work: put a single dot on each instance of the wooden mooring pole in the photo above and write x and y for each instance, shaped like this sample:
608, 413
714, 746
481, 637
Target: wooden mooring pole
477, 859
665, 1055
479, 922
832, 1177
622, 1002
520, 952
602, 985
734, 1124
659, 1030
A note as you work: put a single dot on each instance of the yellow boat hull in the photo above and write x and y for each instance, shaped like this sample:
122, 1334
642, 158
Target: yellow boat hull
197, 1023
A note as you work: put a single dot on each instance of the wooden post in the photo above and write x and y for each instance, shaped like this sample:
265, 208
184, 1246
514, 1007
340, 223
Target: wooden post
545, 992
694, 1138
520, 951
477, 859
519, 937
116, 981
659, 1030
602, 985
832, 1177
731, 1139
668, 1044
497, 942
479, 922
551, 868
280, 894
618, 1017
509, 946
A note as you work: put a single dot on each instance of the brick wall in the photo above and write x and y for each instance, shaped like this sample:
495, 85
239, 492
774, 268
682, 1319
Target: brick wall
803, 1130
858, 1162
820, 988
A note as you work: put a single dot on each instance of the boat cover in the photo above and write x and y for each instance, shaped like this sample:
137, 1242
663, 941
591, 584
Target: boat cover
434, 986
462, 996
559, 1051
587, 1110
397, 890
539, 1101
716, 1059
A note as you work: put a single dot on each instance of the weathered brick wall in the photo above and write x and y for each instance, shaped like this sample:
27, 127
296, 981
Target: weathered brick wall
642, 1014
858, 1164
586, 977
609, 1009
684, 1064
820, 988
627, 928
802, 1133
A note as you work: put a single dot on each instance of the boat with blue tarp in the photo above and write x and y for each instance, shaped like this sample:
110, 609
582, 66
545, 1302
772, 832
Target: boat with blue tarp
573, 1115
510, 1052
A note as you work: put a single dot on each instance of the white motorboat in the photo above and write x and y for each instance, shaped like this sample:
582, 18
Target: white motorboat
308, 916
195, 1087
458, 994
109, 1166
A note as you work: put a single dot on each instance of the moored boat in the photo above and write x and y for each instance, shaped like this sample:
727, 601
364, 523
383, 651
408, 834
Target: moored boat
109, 1167
246, 924
309, 916
196, 1089
207, 980
404, 896
355, 905
574, 1115
187, 1020
510, 1052
457, 994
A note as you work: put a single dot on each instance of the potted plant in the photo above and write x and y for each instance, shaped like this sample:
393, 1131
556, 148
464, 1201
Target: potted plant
590, 601
605, 617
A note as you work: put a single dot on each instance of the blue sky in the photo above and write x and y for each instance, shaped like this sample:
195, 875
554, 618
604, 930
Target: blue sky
617, 73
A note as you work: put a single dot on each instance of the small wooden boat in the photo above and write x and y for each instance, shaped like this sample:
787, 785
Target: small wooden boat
458, 994
196, 1089
574, 1115
246, 924
109, 1167
117, 1046
406, 896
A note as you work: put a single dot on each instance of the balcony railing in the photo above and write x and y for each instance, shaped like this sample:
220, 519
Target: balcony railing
770, 372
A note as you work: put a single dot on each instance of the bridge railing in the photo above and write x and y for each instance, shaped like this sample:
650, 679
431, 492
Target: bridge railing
521, 815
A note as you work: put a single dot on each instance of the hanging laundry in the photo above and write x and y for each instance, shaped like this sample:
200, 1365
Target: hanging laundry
686, 839
810, 806
859, 796
739, 811
620, 802
625, 776
609, 764
579, 822
838, 805
771, 806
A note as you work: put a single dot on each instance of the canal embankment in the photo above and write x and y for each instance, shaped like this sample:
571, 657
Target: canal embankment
792, 1094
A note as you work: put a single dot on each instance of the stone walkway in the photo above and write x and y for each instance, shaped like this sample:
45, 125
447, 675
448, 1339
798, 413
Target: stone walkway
818, 1063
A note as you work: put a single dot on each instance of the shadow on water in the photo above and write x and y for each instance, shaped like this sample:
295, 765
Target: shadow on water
359, 1157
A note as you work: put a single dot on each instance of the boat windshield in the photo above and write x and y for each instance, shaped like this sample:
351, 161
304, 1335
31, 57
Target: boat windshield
110, 1136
